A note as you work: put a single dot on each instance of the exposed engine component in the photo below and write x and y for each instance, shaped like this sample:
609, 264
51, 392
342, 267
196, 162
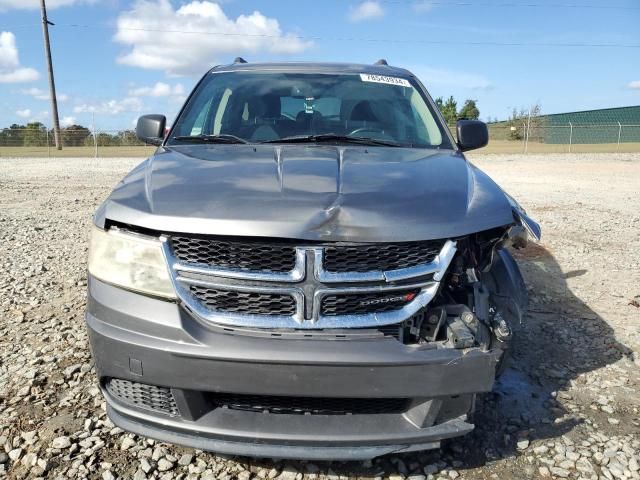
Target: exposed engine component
472, 310
458, 333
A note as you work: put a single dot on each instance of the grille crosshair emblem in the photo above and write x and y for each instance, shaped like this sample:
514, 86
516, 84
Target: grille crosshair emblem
311, 284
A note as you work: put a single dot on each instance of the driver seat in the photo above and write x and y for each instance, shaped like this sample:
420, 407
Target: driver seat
362, 112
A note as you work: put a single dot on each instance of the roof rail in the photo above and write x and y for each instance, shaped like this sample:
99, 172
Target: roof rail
239, 60
382, 61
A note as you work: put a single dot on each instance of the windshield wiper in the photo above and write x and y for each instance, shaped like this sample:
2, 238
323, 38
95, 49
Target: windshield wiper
332, 137
222, 138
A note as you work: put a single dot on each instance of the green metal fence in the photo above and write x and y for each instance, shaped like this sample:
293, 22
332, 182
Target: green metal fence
532, 137
39, 142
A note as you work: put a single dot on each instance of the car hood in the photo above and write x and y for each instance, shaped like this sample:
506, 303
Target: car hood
312, 192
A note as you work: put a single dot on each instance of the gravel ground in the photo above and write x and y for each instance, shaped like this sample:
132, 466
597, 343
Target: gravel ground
568, 407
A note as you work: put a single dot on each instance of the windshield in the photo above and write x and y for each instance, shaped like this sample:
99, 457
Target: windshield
273, 106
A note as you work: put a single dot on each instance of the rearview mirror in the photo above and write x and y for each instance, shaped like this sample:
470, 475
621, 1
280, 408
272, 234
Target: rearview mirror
150, 129
472, 134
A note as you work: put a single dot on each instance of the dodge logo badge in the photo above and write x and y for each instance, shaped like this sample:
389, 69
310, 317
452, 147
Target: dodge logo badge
407, 297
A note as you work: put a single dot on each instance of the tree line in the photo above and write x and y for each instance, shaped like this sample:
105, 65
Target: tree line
520, 121
35, 134
450, 112
525, 119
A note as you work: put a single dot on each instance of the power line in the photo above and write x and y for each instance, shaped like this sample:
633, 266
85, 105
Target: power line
364, 39
512, 5
377, 40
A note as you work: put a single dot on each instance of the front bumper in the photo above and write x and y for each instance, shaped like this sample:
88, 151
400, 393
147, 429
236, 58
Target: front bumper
154, 342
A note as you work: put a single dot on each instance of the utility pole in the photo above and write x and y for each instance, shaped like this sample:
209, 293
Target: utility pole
52, 85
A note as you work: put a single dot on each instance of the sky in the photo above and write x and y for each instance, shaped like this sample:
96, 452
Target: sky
117, 59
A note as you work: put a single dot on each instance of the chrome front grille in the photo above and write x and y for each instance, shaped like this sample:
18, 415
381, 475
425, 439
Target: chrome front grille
391, 256
240, 255
248, 303
228, 283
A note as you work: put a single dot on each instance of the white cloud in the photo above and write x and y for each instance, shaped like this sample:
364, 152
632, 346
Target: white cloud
154, 31
40, 94
367, 10
635, 85
67, 121
435, 76
35, 93
160, 89
34, 4
41, 116
10, 69
422, 6
111, 107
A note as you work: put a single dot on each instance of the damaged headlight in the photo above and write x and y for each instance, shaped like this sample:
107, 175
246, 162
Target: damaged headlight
527, 222
130, 261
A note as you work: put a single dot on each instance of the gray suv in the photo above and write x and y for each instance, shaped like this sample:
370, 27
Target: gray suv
307, 267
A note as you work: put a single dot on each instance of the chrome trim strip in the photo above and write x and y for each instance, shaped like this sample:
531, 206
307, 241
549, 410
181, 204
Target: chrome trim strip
444, 259
438, 267
294, 275
297, 321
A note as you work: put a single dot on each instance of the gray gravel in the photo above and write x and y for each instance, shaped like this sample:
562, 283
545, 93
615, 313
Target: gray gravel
568, 407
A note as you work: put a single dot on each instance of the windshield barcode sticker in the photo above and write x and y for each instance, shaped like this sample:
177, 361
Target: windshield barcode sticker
368, 77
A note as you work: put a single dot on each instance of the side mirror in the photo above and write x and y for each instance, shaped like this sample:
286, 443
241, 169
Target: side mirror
472, 134
150, 129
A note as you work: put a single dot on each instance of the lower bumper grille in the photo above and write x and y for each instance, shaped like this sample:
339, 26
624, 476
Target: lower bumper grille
309, 405
160, 400
392, 330
148, 397
250, 303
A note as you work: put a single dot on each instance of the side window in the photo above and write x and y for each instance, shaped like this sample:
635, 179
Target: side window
222, 106
426, 127
420, 128
198, 125
198, 117
195, 120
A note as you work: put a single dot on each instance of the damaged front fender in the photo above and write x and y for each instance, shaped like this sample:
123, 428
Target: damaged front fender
506, 287
520, 215
528, 223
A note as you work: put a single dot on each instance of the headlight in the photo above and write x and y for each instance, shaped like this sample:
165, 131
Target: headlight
130, 261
